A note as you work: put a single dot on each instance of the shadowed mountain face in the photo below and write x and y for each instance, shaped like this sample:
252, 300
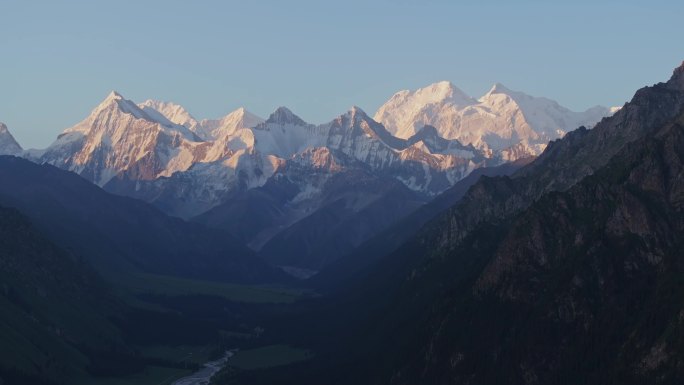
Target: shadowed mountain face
345, 271
583, 286
354, 207
290, 228
568, 160
122, 235
567, 272
53, 308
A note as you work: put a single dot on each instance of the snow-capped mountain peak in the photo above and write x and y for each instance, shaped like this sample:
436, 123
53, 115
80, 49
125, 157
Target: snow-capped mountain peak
497, 121
407, 111
444, 90
545, 119
356, 114
116, 100
229, 124
118, 136
356, 134
113, 95
173, 112
206, 129
498, 88
440, 92
353, 119
282, 115
116, 103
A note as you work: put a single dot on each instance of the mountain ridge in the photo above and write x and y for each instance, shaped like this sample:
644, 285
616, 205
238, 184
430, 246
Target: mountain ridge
248, 157
498, 119
159, 153
119, 235
490, 290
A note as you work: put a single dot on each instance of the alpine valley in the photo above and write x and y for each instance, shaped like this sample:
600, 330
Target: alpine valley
303, 194
445, 240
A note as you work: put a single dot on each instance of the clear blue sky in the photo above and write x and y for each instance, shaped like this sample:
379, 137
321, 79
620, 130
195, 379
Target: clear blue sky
60, 58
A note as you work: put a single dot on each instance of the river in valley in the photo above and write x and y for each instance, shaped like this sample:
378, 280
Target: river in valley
203, 376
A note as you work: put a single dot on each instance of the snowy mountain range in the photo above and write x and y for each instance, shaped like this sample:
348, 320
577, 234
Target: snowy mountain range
419, 144
499, 120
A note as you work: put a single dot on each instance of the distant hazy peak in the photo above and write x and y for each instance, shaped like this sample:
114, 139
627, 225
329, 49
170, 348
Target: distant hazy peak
354, 115
242, 113
115, 100
443, 91
115, 104
8, 145
229, 124
282, 115
113, 95
499, 88
357, 113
